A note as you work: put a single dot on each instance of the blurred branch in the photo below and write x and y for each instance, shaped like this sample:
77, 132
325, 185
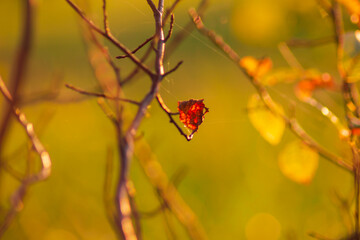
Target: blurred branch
291, 123
168, 192
289, 56
310, 42
351, 105
318, 236
19, 67
37, 146
175, 181
187, 29
178, 38
350, 91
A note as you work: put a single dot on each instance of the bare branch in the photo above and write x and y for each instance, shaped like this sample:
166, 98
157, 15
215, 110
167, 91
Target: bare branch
291, 123
350, 91
174, 69
170, 115
319, 236
171, 28
105, 18
43, 174
152, 6
19, 66
111, 39
137, 48
92, 94
168, 192
310, 42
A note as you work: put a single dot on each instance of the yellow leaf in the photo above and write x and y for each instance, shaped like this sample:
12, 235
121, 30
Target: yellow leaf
270, 126
298, 162
250, 64
254, 67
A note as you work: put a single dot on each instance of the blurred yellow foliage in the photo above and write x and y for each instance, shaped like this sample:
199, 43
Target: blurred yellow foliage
263, 226
270, 127
298, 162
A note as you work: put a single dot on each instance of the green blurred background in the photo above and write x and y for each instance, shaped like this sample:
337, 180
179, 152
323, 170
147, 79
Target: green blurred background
233, 182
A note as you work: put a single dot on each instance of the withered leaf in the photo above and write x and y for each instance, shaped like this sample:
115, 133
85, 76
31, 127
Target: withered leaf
192, 113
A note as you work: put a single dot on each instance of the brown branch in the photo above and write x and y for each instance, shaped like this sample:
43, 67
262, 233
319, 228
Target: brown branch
177, 39
168, 192
19, 67
137, 48
318, 236
170, 10
37, 146
110, 37
350, 91
186, 31
170, 115
310, 42
291, 123
107, 56
136, 70
174, 69
102, 95
126, 143
171, 28
105, 19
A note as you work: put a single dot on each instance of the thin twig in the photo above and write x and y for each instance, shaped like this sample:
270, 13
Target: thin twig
178, 38
111, 39
107, 56
168, 192
171, 28
291, 123
105, 19
318, 236
137, 48
310, 42
92, 94
19, 67
43, 174
173, 69
170, 115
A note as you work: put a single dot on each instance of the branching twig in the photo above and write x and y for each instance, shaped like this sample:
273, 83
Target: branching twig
291, 123
111, 39
170, 115
168, 192
318, 236
43, 174
137, 48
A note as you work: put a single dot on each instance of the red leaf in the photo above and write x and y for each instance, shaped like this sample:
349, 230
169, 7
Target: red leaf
192, 113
